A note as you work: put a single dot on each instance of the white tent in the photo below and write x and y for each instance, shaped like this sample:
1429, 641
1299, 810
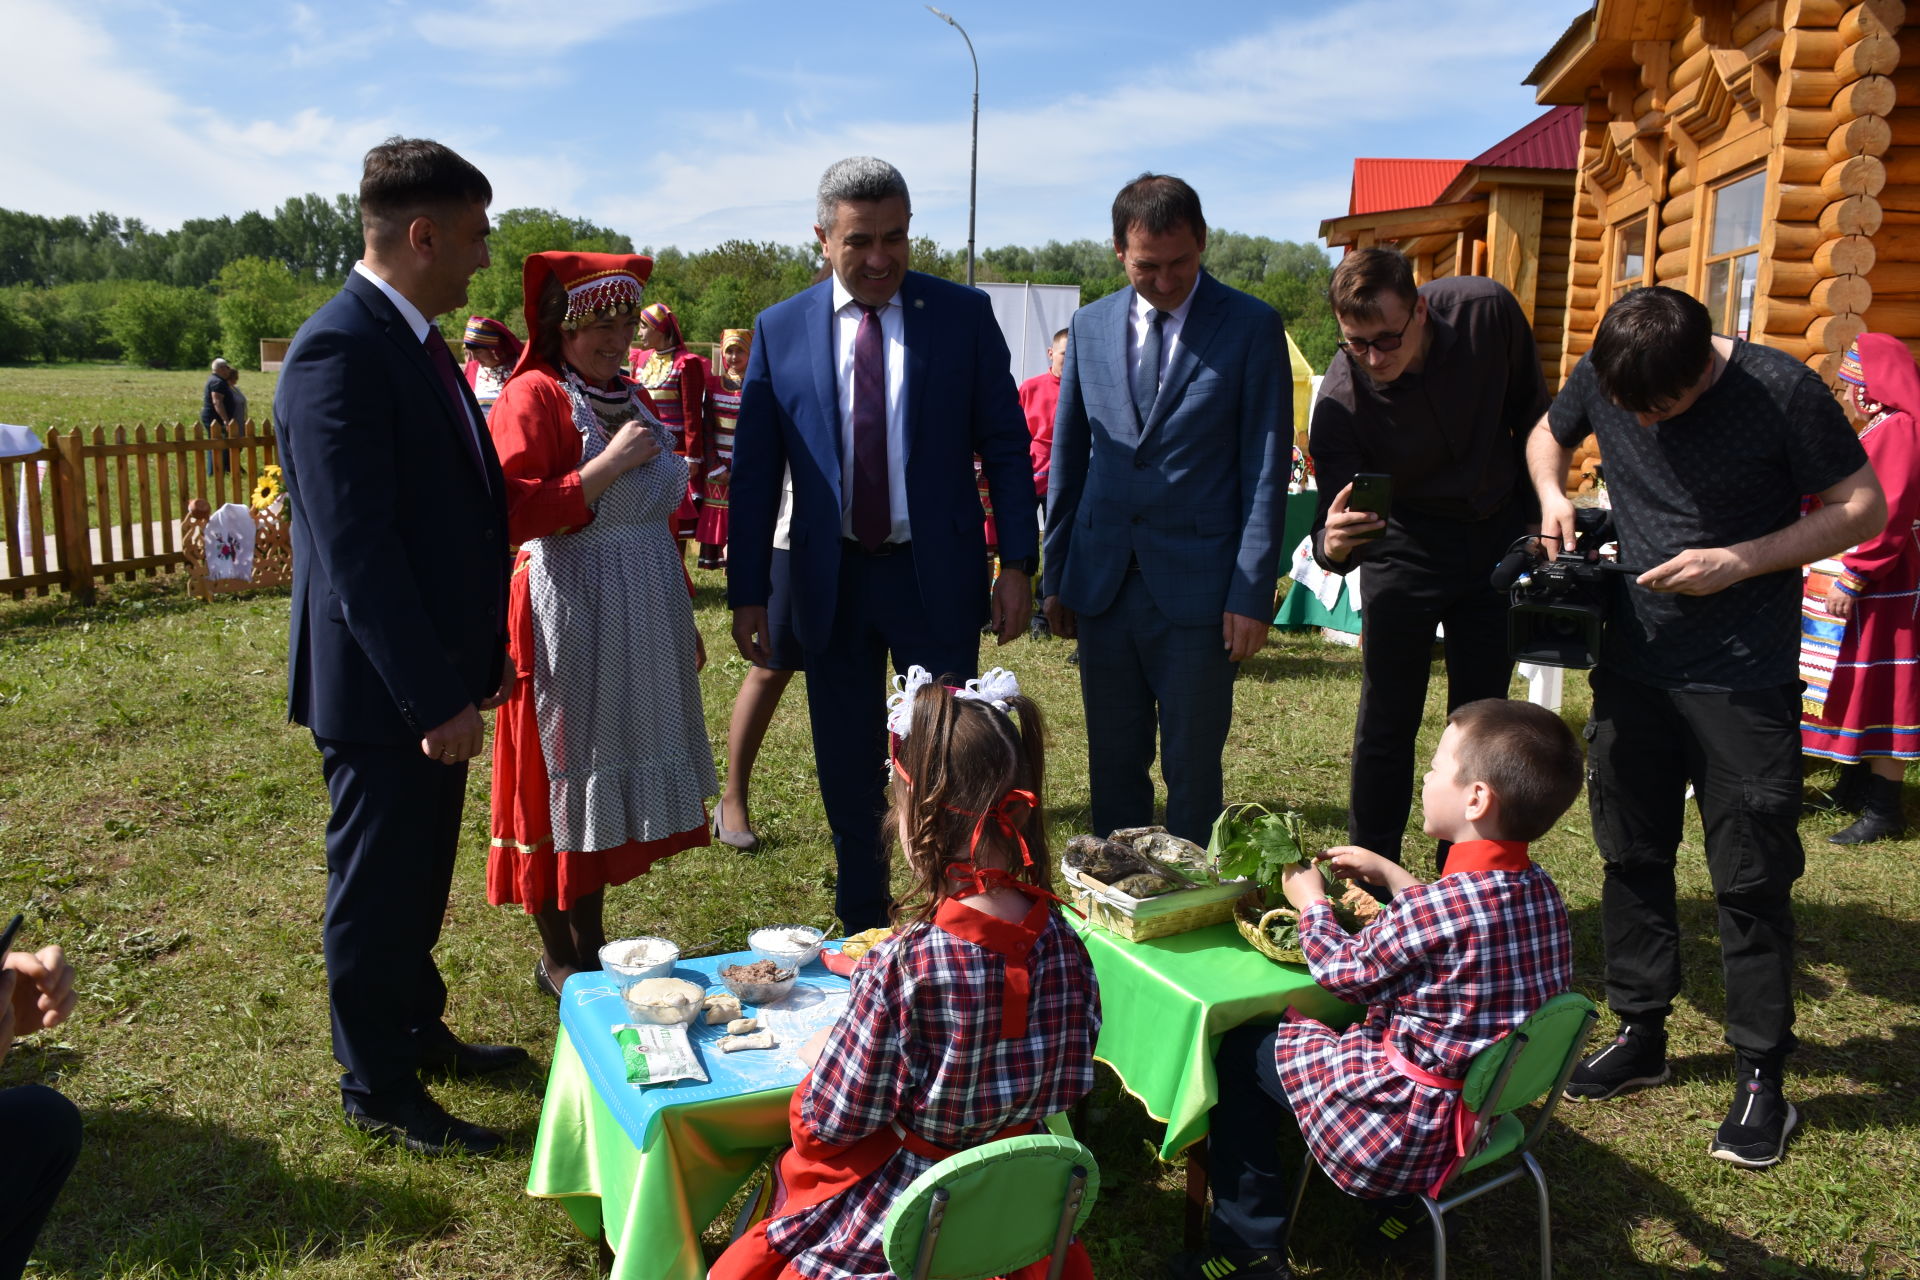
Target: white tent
1029, 316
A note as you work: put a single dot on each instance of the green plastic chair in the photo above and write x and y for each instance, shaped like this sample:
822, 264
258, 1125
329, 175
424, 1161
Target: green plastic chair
993, 1209
1530, 1065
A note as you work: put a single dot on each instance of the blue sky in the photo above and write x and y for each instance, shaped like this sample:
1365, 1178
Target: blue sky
690, 122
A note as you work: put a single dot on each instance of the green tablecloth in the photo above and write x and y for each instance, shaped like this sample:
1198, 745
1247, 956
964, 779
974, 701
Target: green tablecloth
1166, 1002
653, 1202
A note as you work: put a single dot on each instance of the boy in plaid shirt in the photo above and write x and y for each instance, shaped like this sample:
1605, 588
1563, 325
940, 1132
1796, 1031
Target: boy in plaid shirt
1445, 969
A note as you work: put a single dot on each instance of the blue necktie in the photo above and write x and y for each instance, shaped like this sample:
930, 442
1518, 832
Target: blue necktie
1146, 381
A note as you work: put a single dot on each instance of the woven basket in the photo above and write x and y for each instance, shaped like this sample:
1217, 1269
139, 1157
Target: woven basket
1139, 919
1250, 915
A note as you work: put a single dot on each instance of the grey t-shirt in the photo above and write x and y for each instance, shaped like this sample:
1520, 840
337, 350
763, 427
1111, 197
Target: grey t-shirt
1732, 468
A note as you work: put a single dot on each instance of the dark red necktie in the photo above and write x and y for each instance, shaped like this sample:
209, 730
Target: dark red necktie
450, 383
872, 499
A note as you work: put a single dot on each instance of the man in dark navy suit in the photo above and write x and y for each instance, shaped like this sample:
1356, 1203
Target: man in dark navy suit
398, 637
877, 387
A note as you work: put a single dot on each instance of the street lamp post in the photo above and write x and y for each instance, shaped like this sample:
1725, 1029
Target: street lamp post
973, 160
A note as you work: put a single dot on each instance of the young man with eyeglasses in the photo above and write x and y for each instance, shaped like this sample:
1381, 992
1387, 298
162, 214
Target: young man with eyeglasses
1437, 387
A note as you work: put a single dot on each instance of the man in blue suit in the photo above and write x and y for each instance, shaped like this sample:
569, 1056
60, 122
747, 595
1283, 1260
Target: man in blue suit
398, 640
877, 387
1164, 511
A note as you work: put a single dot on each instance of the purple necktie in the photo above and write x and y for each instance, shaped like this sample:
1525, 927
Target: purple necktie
450, 382
872, 499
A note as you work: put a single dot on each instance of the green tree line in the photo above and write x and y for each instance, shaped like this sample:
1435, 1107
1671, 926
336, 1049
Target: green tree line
104, 288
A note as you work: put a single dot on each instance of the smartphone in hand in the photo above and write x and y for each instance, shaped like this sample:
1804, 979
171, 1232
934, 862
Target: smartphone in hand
6, 936
1372, 491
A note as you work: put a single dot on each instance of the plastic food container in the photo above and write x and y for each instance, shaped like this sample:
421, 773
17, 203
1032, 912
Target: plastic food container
752, 991
664, 1001
791, 946
629, 960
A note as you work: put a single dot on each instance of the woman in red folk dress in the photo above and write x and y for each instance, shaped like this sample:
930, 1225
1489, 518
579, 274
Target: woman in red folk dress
676, 380
723, 410
942, 1047
1860, 653
601, 763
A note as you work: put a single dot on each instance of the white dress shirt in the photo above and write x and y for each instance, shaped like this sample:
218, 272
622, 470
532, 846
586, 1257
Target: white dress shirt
1141, 330
419, 324
847, 314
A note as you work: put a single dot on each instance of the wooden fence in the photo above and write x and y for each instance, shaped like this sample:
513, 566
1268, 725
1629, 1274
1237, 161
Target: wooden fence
96, 506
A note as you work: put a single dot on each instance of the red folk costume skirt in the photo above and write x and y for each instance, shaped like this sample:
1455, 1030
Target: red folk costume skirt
523, 866
713, 494
810, 1173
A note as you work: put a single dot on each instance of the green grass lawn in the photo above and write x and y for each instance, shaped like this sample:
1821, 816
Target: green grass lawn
163, 822
115, 395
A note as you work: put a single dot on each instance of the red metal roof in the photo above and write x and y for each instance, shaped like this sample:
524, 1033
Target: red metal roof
1550, 142
1380, 185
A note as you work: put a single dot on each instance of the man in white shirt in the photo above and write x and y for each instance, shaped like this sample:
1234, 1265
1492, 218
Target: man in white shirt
398, 636
1164, 508
877, 387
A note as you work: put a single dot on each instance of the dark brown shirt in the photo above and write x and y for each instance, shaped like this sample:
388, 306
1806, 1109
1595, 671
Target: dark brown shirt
1452, 436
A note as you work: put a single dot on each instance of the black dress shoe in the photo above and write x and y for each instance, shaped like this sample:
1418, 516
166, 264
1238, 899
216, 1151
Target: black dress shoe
423, 1126
456, 1058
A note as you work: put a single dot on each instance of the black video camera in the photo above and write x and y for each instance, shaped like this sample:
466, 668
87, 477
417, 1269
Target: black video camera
1559, 604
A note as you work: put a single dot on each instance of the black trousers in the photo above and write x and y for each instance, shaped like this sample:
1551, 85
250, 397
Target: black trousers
390, 849
877, 615
1252, 1180
1741, 751
40, 1134
1141, 675
1397, 623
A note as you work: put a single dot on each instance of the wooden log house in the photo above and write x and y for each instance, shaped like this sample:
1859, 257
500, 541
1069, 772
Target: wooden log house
1763, 155
1507, 213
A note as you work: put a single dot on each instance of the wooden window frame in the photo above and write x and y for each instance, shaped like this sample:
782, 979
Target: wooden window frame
1707, 259
1616, 284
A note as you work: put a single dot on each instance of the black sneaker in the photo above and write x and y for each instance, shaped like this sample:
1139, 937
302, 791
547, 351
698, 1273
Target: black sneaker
1755, 1131
1230, 1264
1634, 1058
1398, 1225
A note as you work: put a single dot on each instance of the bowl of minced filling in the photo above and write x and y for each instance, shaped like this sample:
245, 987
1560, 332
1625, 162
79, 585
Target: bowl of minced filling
761, 982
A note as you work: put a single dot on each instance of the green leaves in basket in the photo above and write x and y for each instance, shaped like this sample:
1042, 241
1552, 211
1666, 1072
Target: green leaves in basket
1252, 842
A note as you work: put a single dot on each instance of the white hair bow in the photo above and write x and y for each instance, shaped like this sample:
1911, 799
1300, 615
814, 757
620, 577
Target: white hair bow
994, 688
900, 705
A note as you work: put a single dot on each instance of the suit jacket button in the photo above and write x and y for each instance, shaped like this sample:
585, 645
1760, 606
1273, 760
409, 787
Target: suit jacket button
1139, 464
1139, 519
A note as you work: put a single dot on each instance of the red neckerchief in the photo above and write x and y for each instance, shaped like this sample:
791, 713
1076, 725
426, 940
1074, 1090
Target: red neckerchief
1488, 855
1004, 938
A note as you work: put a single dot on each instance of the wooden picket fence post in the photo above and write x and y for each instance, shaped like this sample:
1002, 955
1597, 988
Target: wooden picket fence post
115, 499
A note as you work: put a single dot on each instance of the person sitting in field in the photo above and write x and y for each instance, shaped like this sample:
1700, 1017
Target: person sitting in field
1446, 969
974, 1021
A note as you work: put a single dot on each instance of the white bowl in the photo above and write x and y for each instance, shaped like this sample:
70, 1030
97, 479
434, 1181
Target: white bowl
657, 958
779, 943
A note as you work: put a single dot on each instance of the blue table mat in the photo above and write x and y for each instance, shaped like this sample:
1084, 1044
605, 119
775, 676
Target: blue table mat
590, 1007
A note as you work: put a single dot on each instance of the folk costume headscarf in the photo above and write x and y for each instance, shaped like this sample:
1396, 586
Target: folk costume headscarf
596, 284
484, 331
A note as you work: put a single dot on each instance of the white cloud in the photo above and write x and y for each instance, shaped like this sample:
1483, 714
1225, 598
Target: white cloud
502, 28
110, 136
1331, 85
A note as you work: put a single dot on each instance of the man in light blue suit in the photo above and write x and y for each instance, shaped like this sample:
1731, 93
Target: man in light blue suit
1164, 512
876, 388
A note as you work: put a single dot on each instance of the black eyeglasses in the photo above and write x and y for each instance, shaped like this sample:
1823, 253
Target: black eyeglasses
1385, 343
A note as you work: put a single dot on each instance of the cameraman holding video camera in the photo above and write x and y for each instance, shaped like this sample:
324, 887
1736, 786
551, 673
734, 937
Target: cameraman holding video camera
1710, 443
